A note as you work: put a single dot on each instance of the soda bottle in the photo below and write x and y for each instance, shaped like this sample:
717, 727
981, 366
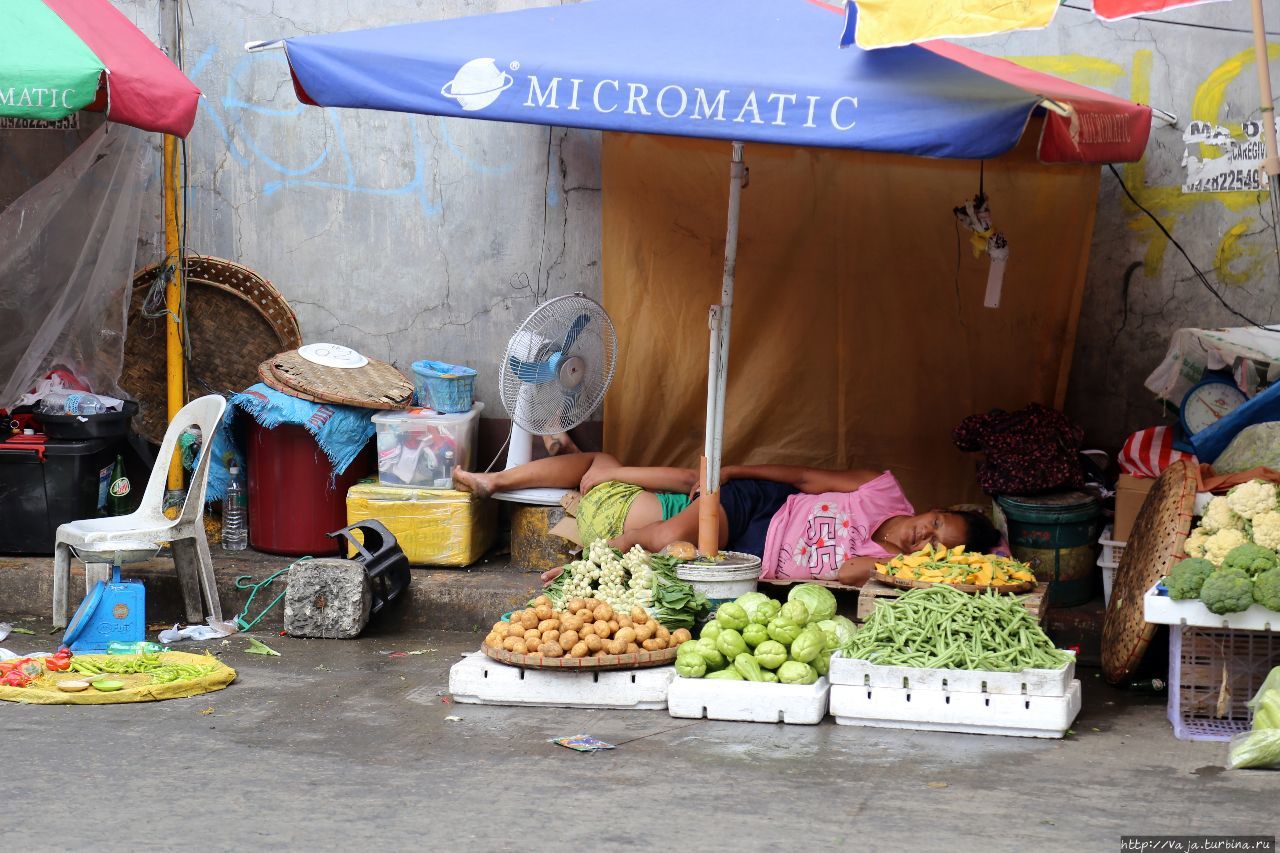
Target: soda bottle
235, 523
118, 490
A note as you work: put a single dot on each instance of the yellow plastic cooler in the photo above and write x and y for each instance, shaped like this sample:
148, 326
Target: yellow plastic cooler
435, 527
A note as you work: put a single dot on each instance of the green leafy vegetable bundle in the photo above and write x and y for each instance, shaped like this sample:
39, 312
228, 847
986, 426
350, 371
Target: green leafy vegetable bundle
943, 628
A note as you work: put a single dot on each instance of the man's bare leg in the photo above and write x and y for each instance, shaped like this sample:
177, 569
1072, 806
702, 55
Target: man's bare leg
559, 444
679, 528
554, 472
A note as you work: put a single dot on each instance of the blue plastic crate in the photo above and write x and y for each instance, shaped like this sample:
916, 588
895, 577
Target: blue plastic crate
447, 388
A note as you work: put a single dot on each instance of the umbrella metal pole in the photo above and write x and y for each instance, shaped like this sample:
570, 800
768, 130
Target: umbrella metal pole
718, 365
1270, 165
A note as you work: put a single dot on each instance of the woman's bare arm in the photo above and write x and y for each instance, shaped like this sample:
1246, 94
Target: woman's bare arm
811, 481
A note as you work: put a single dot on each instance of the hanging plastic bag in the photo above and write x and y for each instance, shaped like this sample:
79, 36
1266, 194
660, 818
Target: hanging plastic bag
1260, 746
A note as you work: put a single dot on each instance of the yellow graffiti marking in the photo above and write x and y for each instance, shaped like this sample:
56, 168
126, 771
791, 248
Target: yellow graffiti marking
1085, 70
1210, 94
1239, 262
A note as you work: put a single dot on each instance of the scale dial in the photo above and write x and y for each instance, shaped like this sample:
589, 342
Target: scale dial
1208, 403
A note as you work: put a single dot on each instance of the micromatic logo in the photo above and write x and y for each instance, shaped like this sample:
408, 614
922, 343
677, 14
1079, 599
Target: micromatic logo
479, 83
34, 97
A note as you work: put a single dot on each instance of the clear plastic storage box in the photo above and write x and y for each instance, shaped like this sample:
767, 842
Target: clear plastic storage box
421, 447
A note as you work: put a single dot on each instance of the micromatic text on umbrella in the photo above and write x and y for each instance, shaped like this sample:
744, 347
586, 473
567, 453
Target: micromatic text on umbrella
479, 83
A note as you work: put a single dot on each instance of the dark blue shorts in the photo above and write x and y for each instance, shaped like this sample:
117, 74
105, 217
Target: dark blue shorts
750, 505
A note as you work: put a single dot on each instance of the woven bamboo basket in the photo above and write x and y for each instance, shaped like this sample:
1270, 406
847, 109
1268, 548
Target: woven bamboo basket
235, 320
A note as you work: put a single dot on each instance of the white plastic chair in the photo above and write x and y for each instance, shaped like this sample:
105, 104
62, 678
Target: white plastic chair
148, 523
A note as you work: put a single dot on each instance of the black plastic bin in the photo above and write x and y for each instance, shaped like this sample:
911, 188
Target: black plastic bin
43, 486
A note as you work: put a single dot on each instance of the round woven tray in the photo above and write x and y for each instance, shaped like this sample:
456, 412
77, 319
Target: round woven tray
235, 319
377, 385
639, 660
1156, 543
909, 583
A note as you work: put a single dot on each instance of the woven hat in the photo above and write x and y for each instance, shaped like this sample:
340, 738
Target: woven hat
1159, 533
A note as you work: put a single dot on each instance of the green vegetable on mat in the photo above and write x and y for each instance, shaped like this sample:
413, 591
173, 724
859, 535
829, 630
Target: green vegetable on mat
1250, 558
1227, 591
1186, 577
1266, 589
794, 672
690, 666
710, 653
820, 601
771, 654
781, 630
795, 612
755, 634
728, 674
710, 631
257, 647
730, 615
747, 667
730, 643
941, 627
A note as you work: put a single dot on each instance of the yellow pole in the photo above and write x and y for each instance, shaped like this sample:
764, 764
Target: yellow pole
173, 295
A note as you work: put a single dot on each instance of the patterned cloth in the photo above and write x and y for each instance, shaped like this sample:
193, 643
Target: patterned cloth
1148, 452
1028, 452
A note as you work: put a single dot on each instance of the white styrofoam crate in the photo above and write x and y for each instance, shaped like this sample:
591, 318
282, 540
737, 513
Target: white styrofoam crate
748, 701
948, 711
1112, 549
1162, 610
1028, 682
480, 680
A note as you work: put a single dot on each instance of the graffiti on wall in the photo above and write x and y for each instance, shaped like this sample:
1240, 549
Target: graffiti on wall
1238, 259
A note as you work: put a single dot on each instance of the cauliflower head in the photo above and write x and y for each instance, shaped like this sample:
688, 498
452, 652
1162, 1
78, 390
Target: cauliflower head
1217, 546
1266, 529
1249, 499
1219, 515
1250, 558
1194, 546
1266, 589
1227, 591
1186, 578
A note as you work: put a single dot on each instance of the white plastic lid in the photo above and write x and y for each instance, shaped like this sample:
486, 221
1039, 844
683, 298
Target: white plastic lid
425, 416
332, 355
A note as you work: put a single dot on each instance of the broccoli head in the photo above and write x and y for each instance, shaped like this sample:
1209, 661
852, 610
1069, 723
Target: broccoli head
1227, 591
1266, 589
1186, 578
1250, 558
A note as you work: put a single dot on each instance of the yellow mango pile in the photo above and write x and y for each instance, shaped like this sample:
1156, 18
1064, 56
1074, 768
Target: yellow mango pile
938, 564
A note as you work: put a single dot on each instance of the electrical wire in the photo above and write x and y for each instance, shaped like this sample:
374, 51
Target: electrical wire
1204, 279
1150, 20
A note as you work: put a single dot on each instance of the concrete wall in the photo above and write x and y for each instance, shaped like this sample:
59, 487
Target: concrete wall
1140, 288
408, 237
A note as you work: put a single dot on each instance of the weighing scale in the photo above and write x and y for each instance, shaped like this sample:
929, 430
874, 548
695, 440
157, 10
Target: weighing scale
114, 611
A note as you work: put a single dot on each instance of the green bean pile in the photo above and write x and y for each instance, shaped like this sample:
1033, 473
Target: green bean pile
160, 672
942, 628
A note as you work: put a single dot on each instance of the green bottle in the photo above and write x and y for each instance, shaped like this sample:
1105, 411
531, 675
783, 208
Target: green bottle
118, 491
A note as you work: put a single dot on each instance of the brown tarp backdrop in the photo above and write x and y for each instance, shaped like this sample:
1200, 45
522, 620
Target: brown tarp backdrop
859, 335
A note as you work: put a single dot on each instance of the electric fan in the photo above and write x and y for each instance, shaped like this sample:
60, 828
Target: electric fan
554, 374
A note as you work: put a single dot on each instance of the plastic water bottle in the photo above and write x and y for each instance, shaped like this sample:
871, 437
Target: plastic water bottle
90, 405
235, 520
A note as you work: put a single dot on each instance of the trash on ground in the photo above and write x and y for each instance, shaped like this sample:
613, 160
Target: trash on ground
257, 647
198, 633
582, 743
453, 719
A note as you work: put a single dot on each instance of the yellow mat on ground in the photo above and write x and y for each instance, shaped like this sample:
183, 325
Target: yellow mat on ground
137, 686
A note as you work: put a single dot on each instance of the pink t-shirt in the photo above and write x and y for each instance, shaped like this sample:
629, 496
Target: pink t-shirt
813, 534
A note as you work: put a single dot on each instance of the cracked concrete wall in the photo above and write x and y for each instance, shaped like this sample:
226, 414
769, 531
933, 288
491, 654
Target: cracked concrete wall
405, 237
1140, 289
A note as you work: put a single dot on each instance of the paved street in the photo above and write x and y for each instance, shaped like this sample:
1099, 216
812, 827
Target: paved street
338, 746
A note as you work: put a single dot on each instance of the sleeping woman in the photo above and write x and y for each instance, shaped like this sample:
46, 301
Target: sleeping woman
804, 523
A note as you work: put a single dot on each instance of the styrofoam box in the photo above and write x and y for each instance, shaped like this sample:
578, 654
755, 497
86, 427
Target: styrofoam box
1112, 549
1163, 610
1028, 682
950, 711
748, 701
480, 680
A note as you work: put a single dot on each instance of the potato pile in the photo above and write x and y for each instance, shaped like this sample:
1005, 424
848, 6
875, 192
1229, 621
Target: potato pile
586, 628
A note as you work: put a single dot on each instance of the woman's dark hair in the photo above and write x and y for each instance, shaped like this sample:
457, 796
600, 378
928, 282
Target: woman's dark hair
981, 535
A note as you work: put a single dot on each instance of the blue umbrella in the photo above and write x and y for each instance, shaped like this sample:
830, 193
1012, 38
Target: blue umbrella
737, 70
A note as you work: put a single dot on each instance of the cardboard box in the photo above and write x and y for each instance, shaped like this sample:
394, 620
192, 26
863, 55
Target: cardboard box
1131, 492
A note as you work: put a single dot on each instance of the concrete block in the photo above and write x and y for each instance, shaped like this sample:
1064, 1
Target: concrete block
327, 598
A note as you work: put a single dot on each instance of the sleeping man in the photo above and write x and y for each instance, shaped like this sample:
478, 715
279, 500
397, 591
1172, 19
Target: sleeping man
804, 523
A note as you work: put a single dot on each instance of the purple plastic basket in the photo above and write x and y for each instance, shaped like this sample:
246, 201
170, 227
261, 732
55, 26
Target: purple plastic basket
1196, 660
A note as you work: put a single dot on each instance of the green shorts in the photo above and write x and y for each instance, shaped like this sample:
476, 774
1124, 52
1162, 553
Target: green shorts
602, 514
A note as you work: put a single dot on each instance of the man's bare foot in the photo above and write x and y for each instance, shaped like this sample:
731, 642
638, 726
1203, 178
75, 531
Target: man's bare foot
480, 485
549, 576
559, 444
